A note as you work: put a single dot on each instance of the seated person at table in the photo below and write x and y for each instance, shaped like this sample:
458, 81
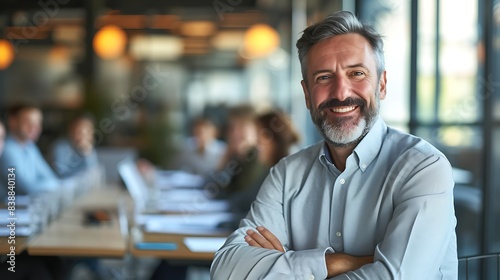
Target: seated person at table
240, 168
268, 137
26, 267
76, 152
275, 137
33, 174
203, 150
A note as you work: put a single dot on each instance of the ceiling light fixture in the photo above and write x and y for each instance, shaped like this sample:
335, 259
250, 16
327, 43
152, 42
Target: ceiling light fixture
260, 40
110, 42
6, 54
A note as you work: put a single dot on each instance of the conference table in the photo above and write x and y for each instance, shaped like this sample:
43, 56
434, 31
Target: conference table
20, 245
70, 236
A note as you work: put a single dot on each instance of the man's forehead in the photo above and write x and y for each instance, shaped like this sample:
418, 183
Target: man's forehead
342, 44
350, 49
30, 112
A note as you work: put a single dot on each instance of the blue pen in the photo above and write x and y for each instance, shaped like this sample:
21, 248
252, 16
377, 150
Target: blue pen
156, 246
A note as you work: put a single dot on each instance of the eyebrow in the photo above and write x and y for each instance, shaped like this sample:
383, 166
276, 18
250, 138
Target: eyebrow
347, 67
357, 65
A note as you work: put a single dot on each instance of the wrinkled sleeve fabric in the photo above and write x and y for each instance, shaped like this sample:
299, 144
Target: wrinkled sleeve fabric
237, 260
420, 235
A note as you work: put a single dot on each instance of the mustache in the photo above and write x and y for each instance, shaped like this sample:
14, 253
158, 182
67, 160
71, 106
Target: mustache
337, 103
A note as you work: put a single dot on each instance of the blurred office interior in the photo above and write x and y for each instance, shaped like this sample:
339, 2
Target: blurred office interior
145, 68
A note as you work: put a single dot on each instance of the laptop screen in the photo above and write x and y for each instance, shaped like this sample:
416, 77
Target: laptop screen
134, 182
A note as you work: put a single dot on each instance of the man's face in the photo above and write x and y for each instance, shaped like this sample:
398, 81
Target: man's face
27, 124
242, 134
82, 135
204, 133
343, 91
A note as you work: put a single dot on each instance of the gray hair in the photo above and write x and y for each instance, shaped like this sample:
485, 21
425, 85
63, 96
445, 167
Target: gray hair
339, 23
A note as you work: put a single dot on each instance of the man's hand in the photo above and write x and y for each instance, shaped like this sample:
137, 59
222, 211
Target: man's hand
263, 239
337, 263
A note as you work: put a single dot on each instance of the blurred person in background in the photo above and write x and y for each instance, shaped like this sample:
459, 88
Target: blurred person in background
75, 153
27, 267
71, 156
201, 152
33, 174
238, 172
240, 168
276, 135
255, 144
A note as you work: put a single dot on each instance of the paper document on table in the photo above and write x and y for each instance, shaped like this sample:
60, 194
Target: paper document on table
20, 216
192, 206
178, 179
15, 223
199, 224
204, 244
182, 195
19, 231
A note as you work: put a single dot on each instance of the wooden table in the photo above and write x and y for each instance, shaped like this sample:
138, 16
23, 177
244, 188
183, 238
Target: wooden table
69, 236
21, 244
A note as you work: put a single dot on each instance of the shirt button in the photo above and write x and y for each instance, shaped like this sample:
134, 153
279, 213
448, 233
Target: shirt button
363, 166
342, 181
338, 233
311, 277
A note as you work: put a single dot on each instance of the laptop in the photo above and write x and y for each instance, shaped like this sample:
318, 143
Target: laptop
161, 199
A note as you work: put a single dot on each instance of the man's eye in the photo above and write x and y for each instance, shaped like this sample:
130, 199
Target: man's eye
357, 73
322, 78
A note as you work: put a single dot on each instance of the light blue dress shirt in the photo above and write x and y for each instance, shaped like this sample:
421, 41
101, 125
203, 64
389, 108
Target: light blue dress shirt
394, 200
190, 160
32, 173
68, 161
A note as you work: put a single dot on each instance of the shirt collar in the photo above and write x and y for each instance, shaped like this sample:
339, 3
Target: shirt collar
369, 147
366, 150
11, 138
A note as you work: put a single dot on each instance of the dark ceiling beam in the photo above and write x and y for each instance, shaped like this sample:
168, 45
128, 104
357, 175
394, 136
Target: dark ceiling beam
131, 7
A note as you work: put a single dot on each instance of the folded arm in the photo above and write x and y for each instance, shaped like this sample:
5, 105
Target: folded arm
237, 260
336, 263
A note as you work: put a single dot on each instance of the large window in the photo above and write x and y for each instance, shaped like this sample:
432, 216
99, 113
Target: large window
493, 90
443, 64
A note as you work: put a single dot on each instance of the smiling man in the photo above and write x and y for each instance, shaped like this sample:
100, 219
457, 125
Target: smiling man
368, 202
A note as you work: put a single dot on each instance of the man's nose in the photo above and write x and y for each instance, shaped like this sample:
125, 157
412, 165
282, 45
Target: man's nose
341, 88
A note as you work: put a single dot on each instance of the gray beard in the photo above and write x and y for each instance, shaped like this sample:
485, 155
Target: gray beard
339, 136
342, 138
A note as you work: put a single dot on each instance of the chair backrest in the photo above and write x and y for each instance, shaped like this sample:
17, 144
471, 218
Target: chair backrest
479, 267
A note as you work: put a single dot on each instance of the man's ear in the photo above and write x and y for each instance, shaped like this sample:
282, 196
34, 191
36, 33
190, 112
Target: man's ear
306, 93
382, 85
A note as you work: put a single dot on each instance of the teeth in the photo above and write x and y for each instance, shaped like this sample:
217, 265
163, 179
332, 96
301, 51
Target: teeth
343, 109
